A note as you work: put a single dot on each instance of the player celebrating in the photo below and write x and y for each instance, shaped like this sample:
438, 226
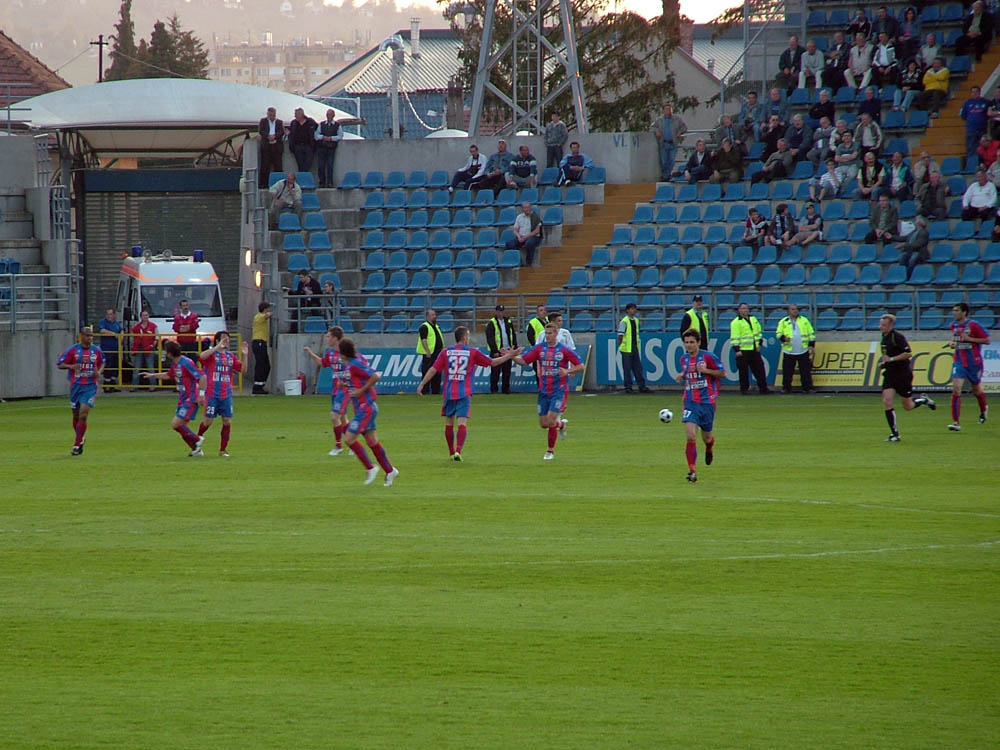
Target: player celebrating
556, 364
363, 395
85, 363
219, 364
967, 339
340, 392
700, 373
188, 378
458, 363
898, 374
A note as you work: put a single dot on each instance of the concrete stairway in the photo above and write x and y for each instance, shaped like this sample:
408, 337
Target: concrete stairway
946, 135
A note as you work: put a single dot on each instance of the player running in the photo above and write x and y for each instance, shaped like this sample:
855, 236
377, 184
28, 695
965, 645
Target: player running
340, 392
556, 364
898, 374
458, 363
188, 378
967, 339
219, 365
700, 373
85, 363
363, 395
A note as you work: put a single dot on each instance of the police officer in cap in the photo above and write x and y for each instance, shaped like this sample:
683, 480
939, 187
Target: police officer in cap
696, 318
500, 336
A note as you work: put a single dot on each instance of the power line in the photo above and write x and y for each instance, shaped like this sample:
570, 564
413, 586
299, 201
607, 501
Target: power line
147, 64
74, 57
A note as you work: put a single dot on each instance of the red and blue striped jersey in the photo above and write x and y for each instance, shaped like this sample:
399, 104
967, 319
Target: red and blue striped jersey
458, 365
219, 370
700, 388
359, 372
550, 360
187, 376
968, 354
341, 380
90, 360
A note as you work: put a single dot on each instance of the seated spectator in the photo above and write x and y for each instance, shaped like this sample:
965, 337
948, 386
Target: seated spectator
497, 166
914, 249
868, 135
839, 132
758, 232
870, 178
775, 105
908, 38
799, 137
898, 179
527, 233
751, 117
980, 198
574, 164
699, 164
827, 185
789, 64
821, 140
727, 163
884, 23
782, 226
995, 232
285, 193
777, 166
811, 65
935, 87
987, 151
923, 167
859, 25
931, 198
885, 65
977, 32
911, 83
810, 227
726, 129
770, 134
837, 57
871, 105
823, 108
307, 292
929, 51
523, 170
471, 173
884, 222
993, 173
994, 114
859, 63
848, 158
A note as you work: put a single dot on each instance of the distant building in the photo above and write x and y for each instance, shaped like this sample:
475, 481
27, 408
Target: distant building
22, 75
296, 68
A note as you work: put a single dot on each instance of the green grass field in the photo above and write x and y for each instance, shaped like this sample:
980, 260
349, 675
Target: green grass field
817, 588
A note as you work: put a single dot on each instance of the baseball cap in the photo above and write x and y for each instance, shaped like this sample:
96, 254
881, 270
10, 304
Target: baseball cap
696, 298
500, 308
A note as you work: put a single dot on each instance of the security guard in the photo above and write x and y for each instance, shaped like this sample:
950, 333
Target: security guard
798, 344
696, 318
500, 336
746, 338
429, 344
535, 331
631, 351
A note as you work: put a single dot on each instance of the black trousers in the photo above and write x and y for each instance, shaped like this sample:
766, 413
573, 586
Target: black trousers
748, 362
496, 372
426, 363
788, 369
632, 368
270, 161
261, 363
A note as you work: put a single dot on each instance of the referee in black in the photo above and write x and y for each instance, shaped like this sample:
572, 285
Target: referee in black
897, 374
430, 342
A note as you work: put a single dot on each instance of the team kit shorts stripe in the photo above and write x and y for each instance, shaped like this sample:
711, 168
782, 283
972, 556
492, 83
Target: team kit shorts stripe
80, 395
973, 374
549, 402
364, 420
338, 403
902, 384
702, 415
457, 407
219, 407
187, 412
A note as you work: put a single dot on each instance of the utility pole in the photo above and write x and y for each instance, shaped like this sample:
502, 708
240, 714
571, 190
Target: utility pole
100, 44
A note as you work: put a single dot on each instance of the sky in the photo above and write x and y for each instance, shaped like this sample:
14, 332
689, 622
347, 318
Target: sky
699, 11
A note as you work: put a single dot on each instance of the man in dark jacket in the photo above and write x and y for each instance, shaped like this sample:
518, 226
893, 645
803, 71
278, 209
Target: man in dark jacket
789, 65
501, 336
302, 140
914, 249
977, 32
272, 146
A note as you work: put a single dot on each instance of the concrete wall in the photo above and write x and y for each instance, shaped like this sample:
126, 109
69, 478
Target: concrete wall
17, 161
28, 363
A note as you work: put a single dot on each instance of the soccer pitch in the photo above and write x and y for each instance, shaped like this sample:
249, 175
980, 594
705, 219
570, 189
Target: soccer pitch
817, 587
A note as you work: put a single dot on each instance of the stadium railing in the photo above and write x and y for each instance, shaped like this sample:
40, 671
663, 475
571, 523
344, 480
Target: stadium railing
38, 301
120, 363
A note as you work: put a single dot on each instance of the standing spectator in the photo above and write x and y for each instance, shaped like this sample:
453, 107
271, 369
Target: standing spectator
827, 185
630, 347
746, 339
574, 165
885, 64
914, 249
868, 135
977, 31
782, 226
859, 63
811, 64
987, 151
908, 38
143, 346
799, 137
501, 337
328, 136
974, 113
884, 23
821, 142
523, 170
884, 222
556, 136
979, 199
775, 105
871, 105
994, 115
770, 134
847, 155
307, 291
110, 330
563, 336
837, 58
527, 233
929, 51
699, 164
186, 328
789, 65
302, 139
430, 341
777, 166
669, 132
727, 163
758, 231
911, 83
935, 87
471, 172
536, 326
923, 167
328, 303
823, 108
860, 25
697, 318
931, 198
751, 117
726, 129
286, 193
798, 345
497, 167
898, 183
810, 227
261, 335
272, 146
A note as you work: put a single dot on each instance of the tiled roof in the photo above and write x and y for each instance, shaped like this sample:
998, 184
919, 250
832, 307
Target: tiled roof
19, 66
724, 52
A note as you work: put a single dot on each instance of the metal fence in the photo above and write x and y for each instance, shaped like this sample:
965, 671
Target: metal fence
39, 301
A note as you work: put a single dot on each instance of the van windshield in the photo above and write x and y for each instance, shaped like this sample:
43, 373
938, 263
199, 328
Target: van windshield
164, 301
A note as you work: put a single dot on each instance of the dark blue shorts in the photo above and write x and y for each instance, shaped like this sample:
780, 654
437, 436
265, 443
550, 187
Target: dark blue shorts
338, 402
702, 415
187, 412
80, 395
219, 407
364, 420
549, 402
457, 407
973, 374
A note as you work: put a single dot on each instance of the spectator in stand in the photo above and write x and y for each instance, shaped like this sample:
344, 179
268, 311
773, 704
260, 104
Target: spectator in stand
821, 139
527, 233
898, 183
776, 105
929, 51
770, 134
799, 137
974, 113
823, 108
286, 193
523, 170
923, 167
884, 222
573, 166
699, 164
143, 346
935, 87
859, 25
884, 23
931, 198
859, 64
329, 309
328, 136
987, 151
789, 64
908, 37
782, 226
186, 328
868, 135
308, 293
911, 84
471, 173
777, 166
272, 146
669, 132
994, 115
914, 249
811, 64
871, 177
758, 231
995, 232
810, 228
993, 173
839, 132
980, 198
556, 136
837, 57
751, 117
827, 185
885, 65
871, 104
110, 330
497, 166
302, 139
725, 130
848, 158
977, 31
727, 164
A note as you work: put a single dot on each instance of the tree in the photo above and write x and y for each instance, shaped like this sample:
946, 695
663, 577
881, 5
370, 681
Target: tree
171, 51
123, 50
190, 54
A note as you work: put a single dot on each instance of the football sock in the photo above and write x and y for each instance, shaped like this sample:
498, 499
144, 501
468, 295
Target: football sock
202, 429
186, 435
449, 436
981, 398
225, 436
553, 435
890, 417
76, 418
691, 451
383, 460
710, 445
338, 432
81, 430
362, 454
461, 438
956, 407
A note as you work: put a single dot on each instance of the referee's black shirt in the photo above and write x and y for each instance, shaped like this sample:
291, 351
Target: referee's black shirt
894, 344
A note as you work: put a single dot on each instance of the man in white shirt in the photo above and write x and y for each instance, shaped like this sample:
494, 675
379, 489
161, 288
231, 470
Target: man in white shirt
474, 169
285, 193
979, 199
812, 63
527, 233
564, 337
859, 66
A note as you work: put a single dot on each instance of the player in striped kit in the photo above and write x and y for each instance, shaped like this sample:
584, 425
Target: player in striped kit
556, 364
188, 378
219, 365
340, 392
363, 395
700, 373
85, 364
458, 363
967, 339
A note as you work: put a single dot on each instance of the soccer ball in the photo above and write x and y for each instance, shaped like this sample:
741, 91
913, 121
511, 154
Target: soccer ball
666, 416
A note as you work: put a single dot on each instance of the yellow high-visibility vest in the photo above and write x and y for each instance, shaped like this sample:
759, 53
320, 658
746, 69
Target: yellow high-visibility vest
805, 330
538, 326
433, 334
744, 334
625, 347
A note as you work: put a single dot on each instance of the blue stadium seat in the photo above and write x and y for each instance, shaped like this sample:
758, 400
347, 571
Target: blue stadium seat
907, 209
417, 220
643, 214
781, 191
893, 120
578, 301
373, 181
711, 193
623, 257
531, 195
395, 240
646, 257
417, 179
670, 256
691, 235
960, 64
621, 236
951, 165
859, 232
696, 277
375, 261
464, 259
394, 180
894, 275
794, 276
803, 170
967, 253
742, 255
687, 194
845, 275
578, 279
819, 276
465, 280
396, 261
845, 95
599, 258
485, 217
834, 211
836, 232
506, 216
866, 253
351, 181
716, 234
462, 218
790, 256
802, 191
649, 277
440, 219
551, 197
601, 278
767, 255
461, 199
859, 210
440, 240
310, 202
735, 191
510, 259
963, 230
917, 119
691, 213
396, 199
319, 241
289, 242
695, 256
870, 274
718, 256
815, 254
374, 324
396, 219
839, 254
745, 276
439, 199
664, 194
443, 260
548, 176
947, 275
374, 219
665, 214
289, 222
595, 176
930, 14
975, 273
419, 261
800, 97
713, 213
418, 240
484, 198
644, 236
417, 199
852, 320
375, 282
769, 276
737, 213
721, 277
624, 278
889, 254
298, 262
489, 280
486, 238
827, 320
324, 262
438, 179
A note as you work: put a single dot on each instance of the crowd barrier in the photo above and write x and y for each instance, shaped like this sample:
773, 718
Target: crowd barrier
123, 362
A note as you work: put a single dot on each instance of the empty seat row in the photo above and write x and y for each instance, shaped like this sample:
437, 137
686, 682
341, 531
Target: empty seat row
422, 199
441, 239
418, 178
10, 265
320, 262
311, 222
400, 281
462, 217
443, 259
841, 17
295, 242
